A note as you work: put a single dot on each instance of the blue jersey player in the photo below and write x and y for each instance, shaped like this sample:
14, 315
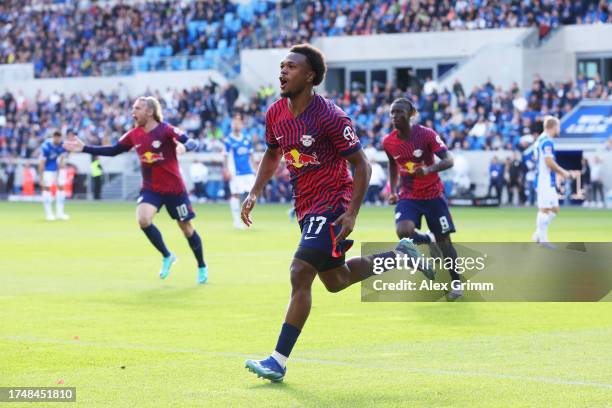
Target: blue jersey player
237, 167
51, 171
545, 182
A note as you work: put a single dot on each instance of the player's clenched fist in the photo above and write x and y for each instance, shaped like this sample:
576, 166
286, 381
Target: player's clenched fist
247, 206
392, 199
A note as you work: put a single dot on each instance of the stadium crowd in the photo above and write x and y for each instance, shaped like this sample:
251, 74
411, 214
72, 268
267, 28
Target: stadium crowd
361, 17
484, 118
72, 38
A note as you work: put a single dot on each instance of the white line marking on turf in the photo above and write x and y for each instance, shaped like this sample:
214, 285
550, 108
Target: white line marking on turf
546, 380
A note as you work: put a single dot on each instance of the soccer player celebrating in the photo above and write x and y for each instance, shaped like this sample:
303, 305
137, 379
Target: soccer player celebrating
316, 139
157, 144
546, 169
411, 150
50, 172
237, 166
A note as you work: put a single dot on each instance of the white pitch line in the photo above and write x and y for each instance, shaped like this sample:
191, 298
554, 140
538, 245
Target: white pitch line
545, 380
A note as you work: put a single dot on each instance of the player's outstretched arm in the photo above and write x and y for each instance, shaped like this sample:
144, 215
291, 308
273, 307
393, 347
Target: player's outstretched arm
77, 145
393, 179
267, 168
361, 178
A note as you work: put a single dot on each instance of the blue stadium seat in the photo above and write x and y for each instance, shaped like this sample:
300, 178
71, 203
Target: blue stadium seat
197, 63
210, 56
140, 64
245, 12
192, 30
236, 26
153, 63
148, 52
179, 63
261, 7
154, 52
166, 51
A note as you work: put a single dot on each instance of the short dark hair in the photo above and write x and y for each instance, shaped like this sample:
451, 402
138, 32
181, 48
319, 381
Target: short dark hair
315, 58
408, 103
57, 133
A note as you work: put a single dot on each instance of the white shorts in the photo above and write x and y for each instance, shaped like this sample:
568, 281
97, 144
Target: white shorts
547, 197
54, 177
241, 184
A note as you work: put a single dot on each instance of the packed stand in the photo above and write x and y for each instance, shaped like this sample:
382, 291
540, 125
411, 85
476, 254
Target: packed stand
100, 118
359, 17
485, 118
67, 39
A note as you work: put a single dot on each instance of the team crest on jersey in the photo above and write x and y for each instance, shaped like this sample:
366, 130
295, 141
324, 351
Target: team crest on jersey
156, 144
417, 153
307, 140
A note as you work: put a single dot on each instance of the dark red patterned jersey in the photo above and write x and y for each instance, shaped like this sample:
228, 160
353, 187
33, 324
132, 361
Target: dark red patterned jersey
417, 151
157, 153
314, 146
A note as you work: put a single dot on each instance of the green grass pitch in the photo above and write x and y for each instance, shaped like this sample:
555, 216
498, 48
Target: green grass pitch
80, 302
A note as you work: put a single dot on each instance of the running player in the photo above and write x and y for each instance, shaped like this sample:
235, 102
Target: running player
545, 181
157, 144
317, 141
411, 150
237, 166
51, 171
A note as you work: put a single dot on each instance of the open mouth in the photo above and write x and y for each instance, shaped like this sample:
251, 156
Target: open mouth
283, 83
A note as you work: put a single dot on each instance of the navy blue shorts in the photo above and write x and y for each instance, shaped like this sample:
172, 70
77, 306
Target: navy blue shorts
436, 214
318, 244
177, 205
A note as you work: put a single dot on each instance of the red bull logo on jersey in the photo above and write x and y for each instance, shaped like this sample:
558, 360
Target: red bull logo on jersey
411, 167
151, 157
299, 160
